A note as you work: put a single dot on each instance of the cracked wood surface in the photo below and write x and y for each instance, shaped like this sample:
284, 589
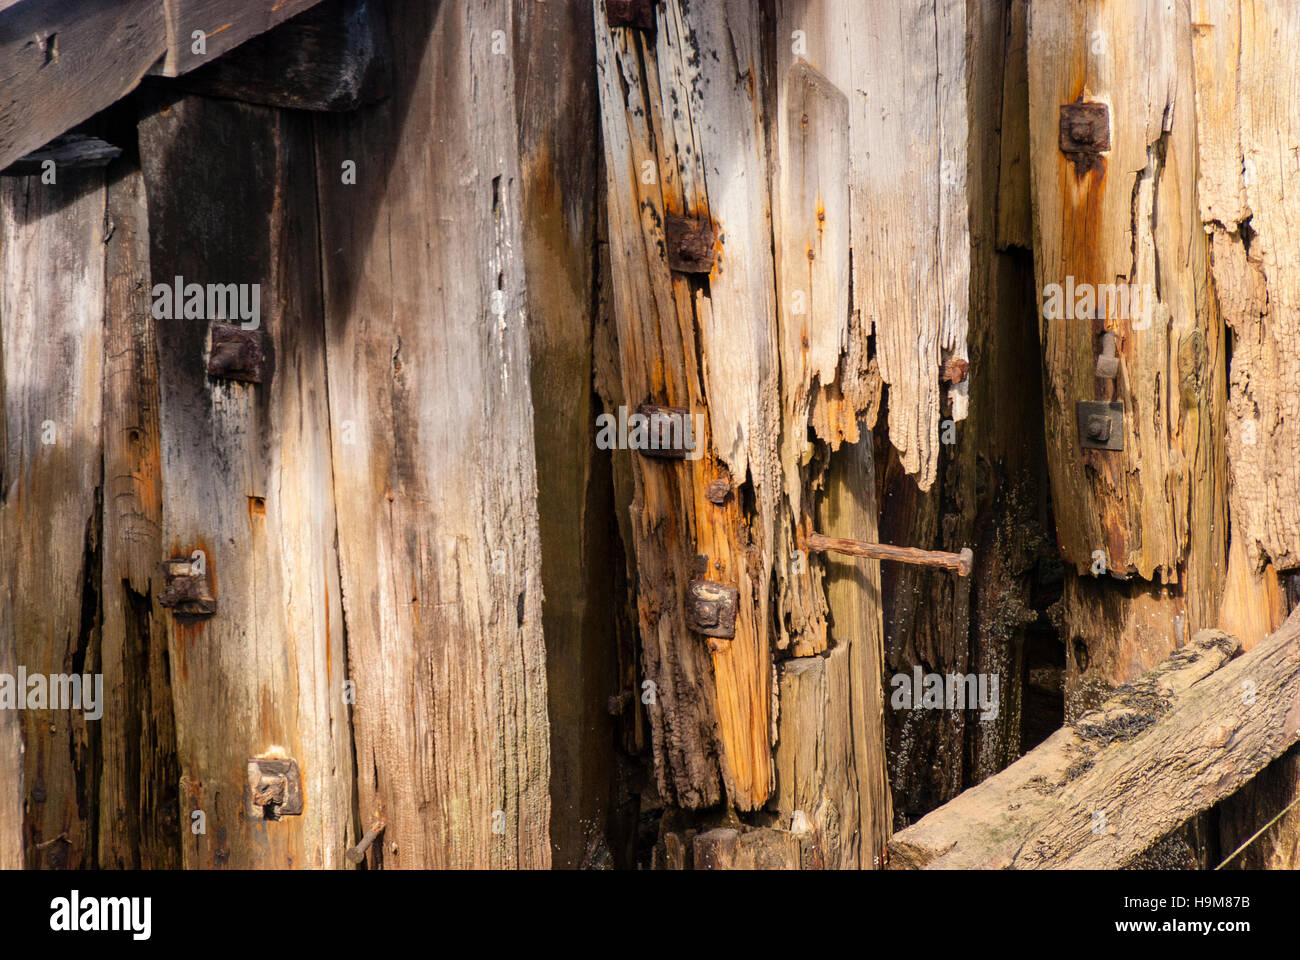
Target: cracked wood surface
427, 351
1098, 793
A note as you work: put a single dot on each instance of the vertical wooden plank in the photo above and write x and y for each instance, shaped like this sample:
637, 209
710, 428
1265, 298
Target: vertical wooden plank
52, 326
559, 145
139, 805
247, 479
432, 421
682, 138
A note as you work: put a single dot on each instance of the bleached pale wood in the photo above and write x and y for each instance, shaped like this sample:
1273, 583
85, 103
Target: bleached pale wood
1249, 136
1099, 793
52, 345
432, 429
247, 479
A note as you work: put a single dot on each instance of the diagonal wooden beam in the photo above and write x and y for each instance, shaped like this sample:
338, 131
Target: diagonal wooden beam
1098, 793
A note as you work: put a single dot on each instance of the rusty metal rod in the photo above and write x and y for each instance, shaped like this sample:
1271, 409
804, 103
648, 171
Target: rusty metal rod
962, 562
358, 853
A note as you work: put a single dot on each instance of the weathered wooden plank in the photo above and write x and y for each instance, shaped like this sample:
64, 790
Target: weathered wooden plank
247, 480
428, 358
1249, 135
559, 144
682, 138
52, 333
200, 30
65, 60
1099, 793
334, 56
139, 805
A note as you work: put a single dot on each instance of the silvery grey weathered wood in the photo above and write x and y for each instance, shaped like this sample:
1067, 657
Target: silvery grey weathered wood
65, 60
1098, 793
52, 345
432, 428
247, 479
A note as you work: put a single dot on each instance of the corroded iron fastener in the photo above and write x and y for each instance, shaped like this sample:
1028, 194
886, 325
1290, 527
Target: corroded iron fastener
962, 562
954, 370
186, 594
358, 853
274, 788
690, 244
1107, 359
631, 13
1084, 133
711, 608
236, 353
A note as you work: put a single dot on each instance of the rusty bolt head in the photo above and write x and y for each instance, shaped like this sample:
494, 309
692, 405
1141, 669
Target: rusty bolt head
631, 13
717, 491
711, 608
274, 788
690, 244
236, 353
954, 370
1098, 428
1085, 128
185, 594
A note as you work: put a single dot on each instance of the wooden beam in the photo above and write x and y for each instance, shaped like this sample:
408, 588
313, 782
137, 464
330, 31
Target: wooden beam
1098, 793
65, 60
335, 56
223, 24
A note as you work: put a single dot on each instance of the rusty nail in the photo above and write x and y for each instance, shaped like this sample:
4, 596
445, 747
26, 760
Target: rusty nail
631, 13
954, 370
711, 608
690, 244
1084, 133
186, 593
236, 353
358, 853
717, 491
962, 562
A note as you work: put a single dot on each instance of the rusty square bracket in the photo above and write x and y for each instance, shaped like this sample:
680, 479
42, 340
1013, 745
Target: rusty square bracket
186, 594
711, 608
1101, 425
631, 13
236, 353
668, 428
274, 789
690, 244
1085, 133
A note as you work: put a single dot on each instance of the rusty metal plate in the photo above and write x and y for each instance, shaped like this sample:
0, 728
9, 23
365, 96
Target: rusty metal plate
690, 244
711, 608
670, 433
1085, 128
186, 594
631, 13
1101, 425
236, 353
274, 788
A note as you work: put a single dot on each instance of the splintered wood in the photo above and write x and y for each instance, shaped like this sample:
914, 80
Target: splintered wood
773, 346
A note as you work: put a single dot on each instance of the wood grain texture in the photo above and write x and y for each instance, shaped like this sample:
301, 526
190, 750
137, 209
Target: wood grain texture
1158, 753
65, 60
682, 137
52, 343
139, 805
1128, 219
224, 23
1249, 134
246, 473
428, 359
559, 145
